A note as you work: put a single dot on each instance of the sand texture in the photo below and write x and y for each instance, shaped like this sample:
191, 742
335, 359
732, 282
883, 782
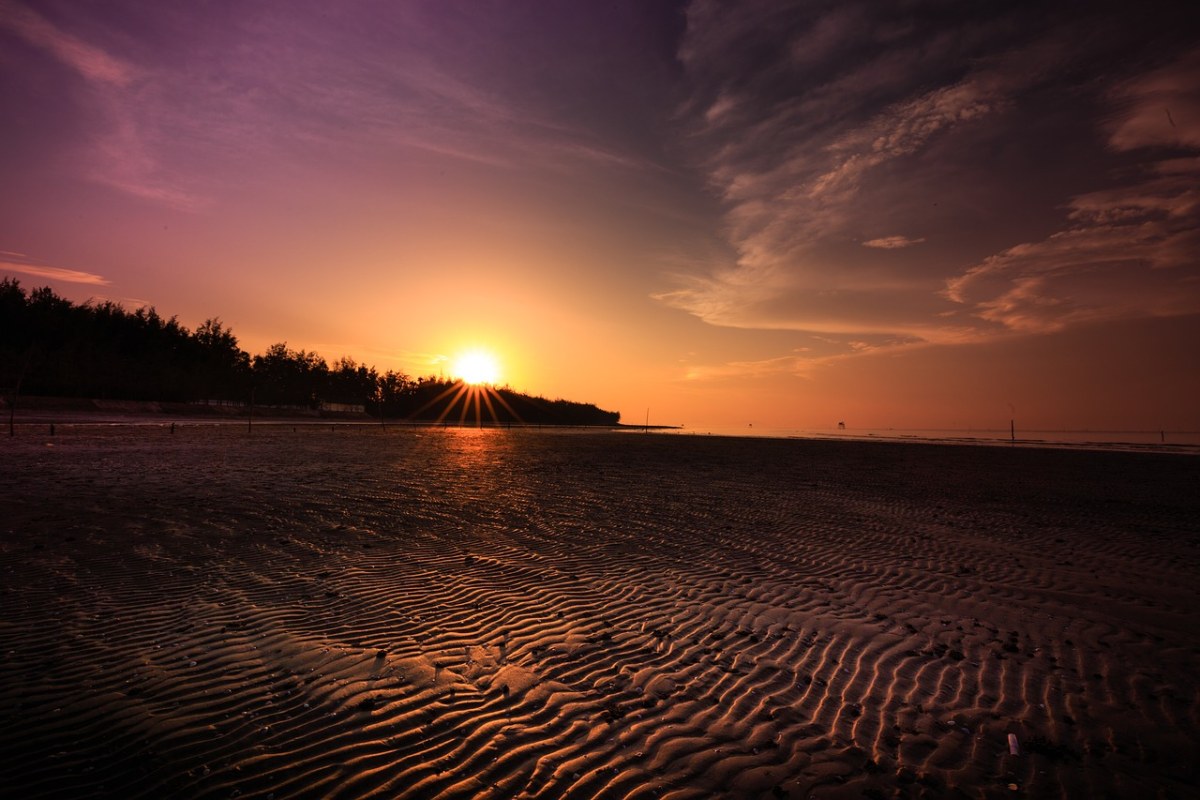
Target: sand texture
349, 612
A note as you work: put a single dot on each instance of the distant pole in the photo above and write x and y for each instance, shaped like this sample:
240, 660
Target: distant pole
1012, 431
16, 392
12, 399
250, 416
647, 428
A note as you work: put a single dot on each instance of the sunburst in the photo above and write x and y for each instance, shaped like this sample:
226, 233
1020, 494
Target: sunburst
476, 367
473, 393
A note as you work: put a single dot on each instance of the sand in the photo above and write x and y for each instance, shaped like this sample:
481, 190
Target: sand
462, 613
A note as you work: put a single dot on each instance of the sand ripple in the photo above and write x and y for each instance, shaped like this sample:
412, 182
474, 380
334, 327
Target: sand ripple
456, 613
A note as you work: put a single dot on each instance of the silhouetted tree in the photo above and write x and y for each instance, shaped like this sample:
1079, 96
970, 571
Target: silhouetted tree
395, 388
289, 377
51, 346
351, 382
16, 343
223, 367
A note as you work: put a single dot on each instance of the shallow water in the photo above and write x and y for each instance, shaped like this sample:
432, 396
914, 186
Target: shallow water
1148, 441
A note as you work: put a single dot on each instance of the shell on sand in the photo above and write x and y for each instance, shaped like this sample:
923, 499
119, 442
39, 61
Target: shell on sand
486, 613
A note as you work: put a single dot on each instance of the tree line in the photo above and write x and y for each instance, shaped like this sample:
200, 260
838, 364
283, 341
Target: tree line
50, 346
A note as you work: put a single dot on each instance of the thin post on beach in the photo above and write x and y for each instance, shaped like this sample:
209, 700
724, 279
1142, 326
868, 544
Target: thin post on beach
15, 391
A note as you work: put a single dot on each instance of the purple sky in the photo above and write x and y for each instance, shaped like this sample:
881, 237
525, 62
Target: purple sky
906, 213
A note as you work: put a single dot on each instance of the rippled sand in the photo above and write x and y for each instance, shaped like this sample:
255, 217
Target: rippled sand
460, 613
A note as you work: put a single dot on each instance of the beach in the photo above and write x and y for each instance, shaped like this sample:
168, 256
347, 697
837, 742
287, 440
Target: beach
353, 611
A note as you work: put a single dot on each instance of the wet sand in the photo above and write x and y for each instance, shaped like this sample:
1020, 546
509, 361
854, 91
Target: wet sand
461, 613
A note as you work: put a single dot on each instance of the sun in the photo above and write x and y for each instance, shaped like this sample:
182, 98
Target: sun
476, 367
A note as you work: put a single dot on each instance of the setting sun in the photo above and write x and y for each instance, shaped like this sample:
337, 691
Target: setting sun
476, 367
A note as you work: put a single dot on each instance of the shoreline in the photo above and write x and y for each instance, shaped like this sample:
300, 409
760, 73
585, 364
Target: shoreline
64, 412
63, 420
45, 411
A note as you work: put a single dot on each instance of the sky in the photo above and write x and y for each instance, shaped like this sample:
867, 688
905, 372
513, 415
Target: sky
787, 214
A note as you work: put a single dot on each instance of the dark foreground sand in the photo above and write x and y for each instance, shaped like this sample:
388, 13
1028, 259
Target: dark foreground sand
460, 613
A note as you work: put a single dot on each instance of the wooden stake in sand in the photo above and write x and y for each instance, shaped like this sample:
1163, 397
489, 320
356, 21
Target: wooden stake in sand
16, 391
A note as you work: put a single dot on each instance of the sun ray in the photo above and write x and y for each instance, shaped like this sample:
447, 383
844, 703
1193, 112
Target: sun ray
487, 399
500, 399
458, 389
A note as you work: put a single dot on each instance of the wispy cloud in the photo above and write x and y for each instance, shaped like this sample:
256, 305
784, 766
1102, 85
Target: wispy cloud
803, 362
824, 130
892, 242
274, 92
55, 273
907, 127
793, 168
89, 61
1160, 108
123, 149
1130, 252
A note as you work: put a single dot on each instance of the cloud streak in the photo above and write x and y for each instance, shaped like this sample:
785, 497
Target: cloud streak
262, 96
61, 274
90, 62
1130, 252
892, 242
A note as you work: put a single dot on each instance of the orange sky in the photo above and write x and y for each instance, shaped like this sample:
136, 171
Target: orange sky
781, 213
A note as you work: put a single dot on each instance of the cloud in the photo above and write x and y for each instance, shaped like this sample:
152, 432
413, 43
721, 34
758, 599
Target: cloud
91, 62
202, 106
892, 242
55, 273
792, 140
123, 146
905, 128
825, 127
1160, 108
1130, 252
803, 362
